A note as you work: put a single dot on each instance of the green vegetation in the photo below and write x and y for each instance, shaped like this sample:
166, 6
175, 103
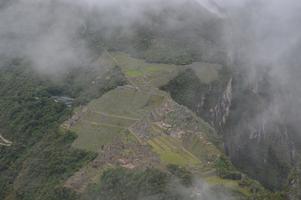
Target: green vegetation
202, 148
183, 174
92, 137
134, 103
40, 158
171, 151
230, 185
88, 83
200, 96
185, 88
175, 184
226, 170
127, 62
106, 119
153, 74
47, 164
43, 156
123, 184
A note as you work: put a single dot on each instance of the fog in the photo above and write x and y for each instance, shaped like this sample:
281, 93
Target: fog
34, 26
262, 38
263, 43
50, 33
44, 32
199, 190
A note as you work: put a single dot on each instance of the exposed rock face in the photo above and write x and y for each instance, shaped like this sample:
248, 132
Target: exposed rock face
294, 185
221, 110
263, 150
211, 101
257, 139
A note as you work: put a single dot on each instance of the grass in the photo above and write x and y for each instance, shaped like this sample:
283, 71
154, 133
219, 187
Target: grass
229, 184
91, 137
159, 74
122, 101
109, 116
133, 73
171, 151
202, 149
154, 73
104, 118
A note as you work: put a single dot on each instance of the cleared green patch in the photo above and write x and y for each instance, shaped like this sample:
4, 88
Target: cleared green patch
105, 118
92, 136
202, 149
133, 73
110, 116
171, 151
153, 74
125, 101
129, 62
232, 185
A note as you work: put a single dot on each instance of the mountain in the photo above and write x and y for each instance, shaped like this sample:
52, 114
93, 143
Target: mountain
158, 110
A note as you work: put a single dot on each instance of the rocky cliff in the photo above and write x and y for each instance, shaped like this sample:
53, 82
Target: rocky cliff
257, 139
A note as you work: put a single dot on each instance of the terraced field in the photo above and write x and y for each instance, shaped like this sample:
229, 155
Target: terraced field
138, 125
171, 151
104, 119
231, 185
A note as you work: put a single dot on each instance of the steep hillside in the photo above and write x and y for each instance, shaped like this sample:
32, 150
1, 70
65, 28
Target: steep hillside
137, 126
263, 149
37, 156
128, 100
